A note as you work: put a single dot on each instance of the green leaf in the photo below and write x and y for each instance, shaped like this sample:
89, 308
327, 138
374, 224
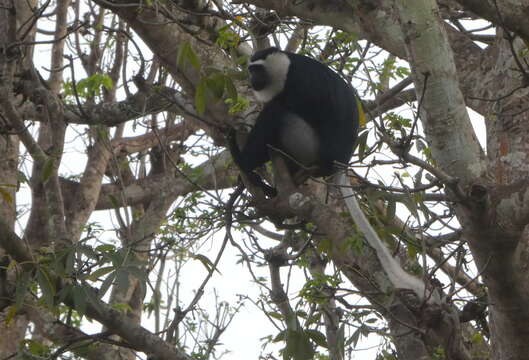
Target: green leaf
237, 105
411, 205
315, 318
215, 84
92, 85
6, 196
317, 337
92, 297
65, 264
200, 97
181, 55
353, 340
299, 346
88, 251
186, 55
10, 314
412, 251
100, 272
361, 114
36, 348
208, 264
478, 339
282, 336
361, 143
46, 286
107, 82
22, 285
106, 248
107, 283
22, 178
79, 299
64, 293
230, 88
227, 39
275, 315
193, 58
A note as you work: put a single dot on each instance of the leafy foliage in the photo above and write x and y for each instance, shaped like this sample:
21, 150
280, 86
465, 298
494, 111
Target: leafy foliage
89, 87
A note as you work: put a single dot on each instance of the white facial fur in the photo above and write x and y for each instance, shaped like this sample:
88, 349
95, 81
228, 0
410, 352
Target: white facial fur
276, 66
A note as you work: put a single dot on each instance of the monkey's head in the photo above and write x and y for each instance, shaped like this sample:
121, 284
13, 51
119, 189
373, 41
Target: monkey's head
268, 73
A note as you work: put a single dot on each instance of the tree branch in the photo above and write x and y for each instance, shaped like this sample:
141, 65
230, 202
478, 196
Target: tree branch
513, 15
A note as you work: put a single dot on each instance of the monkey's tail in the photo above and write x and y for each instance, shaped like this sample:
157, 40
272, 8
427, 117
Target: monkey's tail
398, 277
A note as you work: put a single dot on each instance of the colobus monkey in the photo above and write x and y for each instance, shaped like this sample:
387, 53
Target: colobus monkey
310, 114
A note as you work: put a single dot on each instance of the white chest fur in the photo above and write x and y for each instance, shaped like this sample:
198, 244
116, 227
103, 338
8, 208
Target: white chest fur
299, 140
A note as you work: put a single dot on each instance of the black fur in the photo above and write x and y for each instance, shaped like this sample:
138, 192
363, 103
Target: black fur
320, 97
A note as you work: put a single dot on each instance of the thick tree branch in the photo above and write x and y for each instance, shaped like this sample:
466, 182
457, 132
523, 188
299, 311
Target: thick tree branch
457, 152
148, 101
85, 198
136, 144
211, 175
74, 339
511, 14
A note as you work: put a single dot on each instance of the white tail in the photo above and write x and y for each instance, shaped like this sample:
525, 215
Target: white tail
398, 277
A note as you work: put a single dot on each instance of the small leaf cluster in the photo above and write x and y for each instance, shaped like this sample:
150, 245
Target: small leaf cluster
227, 38
314, 288
215, 85
88, 87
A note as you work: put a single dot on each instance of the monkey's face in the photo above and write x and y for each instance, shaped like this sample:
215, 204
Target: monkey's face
268, 73
258, 76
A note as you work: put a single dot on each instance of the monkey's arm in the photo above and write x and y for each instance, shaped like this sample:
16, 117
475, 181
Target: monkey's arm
255, 151
265, 132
